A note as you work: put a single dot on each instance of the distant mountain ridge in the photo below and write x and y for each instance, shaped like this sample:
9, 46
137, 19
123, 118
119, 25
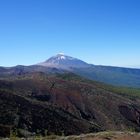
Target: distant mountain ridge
108, 74
61, 63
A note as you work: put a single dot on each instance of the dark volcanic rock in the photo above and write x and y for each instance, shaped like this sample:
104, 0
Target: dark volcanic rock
131, 113
63, 104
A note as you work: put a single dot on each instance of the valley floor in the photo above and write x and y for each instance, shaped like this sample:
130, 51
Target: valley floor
92, 136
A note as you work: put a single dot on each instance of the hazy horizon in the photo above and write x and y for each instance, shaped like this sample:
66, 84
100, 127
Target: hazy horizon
96, 31
129, 66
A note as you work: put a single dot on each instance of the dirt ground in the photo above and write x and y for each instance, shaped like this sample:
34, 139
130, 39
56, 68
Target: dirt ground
107, 136
92, 136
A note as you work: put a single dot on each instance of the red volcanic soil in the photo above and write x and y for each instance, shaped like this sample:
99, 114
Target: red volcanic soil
65, 104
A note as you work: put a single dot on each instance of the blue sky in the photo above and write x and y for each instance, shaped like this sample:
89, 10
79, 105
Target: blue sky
103, 32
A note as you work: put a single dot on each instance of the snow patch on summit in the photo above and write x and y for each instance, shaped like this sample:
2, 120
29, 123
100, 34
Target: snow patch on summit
62, 57
64, 62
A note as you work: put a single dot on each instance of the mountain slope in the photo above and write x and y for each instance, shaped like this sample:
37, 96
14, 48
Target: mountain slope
61, 64
112, 75
125, 77
64, 103
64, 62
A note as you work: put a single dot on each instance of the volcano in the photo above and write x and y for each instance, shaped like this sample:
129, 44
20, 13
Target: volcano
64, 62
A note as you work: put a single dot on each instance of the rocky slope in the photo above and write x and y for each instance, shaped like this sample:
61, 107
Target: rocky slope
64, 104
